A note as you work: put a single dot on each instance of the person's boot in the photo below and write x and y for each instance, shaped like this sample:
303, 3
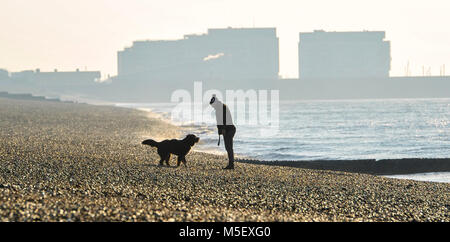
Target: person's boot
230, 166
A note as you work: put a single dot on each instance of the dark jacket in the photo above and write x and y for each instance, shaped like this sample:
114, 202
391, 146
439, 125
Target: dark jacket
223, 116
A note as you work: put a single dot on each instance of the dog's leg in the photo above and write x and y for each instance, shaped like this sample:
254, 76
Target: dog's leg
184, 161
161, 156
178, 161
167, 160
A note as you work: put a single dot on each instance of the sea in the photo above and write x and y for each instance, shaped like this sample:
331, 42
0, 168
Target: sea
333, 130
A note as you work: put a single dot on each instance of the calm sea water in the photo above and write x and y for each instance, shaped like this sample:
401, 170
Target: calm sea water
337, 130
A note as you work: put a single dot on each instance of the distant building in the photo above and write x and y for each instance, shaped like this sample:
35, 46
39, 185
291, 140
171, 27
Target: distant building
232, 53
4, 74
26, 76
63, 78
337, 55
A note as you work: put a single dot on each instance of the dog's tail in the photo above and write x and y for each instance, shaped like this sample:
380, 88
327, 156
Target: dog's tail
150, 142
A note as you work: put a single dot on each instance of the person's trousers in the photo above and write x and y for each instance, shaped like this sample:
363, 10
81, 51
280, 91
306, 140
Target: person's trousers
228, 138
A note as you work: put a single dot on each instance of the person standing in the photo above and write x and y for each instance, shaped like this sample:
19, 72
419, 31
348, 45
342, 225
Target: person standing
225, 127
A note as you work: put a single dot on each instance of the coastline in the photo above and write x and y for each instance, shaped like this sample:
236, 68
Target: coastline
78, 162
382, 167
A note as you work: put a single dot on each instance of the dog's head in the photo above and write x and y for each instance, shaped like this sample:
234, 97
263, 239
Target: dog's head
192, 139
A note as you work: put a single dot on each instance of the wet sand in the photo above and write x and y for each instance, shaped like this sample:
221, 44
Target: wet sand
76, 162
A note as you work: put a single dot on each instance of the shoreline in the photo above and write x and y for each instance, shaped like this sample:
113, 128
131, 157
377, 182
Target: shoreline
79, 162
400, 166
382, 167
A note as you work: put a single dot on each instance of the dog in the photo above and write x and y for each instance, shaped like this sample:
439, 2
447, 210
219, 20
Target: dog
174, 146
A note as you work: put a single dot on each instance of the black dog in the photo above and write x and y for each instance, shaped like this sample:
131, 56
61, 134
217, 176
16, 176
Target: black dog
177, 147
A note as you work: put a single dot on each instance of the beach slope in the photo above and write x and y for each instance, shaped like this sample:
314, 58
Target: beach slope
77, 162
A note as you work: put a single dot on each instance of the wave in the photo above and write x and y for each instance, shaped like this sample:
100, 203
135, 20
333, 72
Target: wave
430, 176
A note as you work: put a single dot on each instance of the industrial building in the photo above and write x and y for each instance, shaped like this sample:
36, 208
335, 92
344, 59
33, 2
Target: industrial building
338, 55
220, 54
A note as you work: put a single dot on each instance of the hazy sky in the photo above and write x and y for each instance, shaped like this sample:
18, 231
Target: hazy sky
70, 34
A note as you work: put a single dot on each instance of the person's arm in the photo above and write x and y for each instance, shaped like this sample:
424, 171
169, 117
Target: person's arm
221, 119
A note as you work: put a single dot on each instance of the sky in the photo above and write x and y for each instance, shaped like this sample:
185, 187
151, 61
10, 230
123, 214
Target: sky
86, 34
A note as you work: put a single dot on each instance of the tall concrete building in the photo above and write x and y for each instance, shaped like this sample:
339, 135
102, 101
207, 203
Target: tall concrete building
340, 55
221, 54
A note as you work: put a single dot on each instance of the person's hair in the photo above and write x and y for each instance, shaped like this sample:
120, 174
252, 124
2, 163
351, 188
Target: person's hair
213, 99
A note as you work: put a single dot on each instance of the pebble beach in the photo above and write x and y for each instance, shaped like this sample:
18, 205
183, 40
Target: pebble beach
78, 162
